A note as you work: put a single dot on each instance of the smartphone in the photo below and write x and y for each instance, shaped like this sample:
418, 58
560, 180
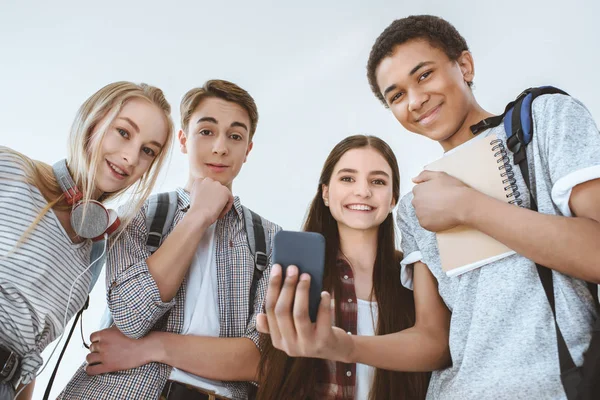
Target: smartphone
305, 250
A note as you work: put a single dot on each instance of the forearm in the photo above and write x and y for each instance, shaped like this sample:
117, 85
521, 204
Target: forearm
411, 350
224, 359
169, 264
570, 245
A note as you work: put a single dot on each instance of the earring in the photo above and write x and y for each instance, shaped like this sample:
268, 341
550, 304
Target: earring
326, 202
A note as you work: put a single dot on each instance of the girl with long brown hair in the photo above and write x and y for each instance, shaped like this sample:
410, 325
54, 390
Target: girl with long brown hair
358, 189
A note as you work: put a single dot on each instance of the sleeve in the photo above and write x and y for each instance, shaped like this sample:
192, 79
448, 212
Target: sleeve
132, 295
409, 246
261, 291
569, 143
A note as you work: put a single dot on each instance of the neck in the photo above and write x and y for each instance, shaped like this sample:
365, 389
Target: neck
464, 134
359, 247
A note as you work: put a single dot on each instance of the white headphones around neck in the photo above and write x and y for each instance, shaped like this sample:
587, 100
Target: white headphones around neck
98, 219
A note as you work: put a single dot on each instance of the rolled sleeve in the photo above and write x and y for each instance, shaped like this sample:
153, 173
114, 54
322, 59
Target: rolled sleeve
569, 144
133, 296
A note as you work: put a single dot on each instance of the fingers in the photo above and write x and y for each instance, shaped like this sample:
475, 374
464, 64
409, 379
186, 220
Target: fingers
262, 323
273, 291
324, 314
283, 308
425, 176
96, 369
93, 358
95, 347
302, 320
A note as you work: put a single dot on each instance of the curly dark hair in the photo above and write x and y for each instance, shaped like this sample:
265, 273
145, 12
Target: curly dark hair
438, 32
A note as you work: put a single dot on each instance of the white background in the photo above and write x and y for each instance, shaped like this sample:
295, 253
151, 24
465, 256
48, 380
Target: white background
304, 63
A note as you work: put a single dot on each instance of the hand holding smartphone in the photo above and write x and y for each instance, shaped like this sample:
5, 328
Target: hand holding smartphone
305, 250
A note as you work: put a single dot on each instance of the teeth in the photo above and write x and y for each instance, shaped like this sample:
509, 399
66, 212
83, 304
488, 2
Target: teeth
117, 169
360, 207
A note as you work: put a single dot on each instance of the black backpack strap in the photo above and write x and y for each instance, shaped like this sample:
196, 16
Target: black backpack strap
257, 241
62, 353
160, 215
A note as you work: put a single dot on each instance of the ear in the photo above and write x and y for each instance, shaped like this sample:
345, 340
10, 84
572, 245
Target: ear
182, 141
250, 146
325, 190
392, 205
467, 66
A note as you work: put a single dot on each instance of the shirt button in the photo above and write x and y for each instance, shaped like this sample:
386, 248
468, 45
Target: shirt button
349, 300
346, 277
349, 373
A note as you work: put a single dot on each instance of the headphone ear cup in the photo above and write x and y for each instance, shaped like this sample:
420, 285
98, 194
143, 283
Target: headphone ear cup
96, 219
113, 224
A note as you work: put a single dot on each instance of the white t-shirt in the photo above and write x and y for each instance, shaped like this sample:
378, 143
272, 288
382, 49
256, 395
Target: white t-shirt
366, 319
201, 309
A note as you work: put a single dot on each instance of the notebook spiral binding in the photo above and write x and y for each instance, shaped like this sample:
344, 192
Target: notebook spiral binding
508, 174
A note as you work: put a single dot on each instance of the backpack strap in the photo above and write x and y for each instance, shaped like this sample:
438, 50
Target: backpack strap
518, 124
97, 258
257, 241
159, 218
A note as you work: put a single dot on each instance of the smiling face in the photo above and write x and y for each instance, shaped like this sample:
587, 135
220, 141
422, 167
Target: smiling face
217, 140
427, 92
130, 145
359, 193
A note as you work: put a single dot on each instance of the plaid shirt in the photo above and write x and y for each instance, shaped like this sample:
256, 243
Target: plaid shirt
136, 306
340, 382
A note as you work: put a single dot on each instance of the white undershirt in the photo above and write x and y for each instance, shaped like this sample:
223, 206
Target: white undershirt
366, 321
201, 309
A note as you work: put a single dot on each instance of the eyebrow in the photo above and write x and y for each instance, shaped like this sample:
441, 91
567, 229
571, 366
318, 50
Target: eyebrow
353, 171
214, 121
411, 73
137, 128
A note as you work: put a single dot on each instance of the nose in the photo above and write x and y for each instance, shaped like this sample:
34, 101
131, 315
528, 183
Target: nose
220, 145
131, 154
416, 100
362, 190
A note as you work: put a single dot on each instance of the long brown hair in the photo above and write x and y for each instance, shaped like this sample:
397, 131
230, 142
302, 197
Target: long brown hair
284, 377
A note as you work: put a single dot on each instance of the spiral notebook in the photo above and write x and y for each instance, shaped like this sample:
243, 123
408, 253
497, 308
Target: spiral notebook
483, 164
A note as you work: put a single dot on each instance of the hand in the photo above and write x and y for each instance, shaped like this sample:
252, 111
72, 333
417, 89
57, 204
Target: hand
210, 199
439, 200
288, 322
112, 351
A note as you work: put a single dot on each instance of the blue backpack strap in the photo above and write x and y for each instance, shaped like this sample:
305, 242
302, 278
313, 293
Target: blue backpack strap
518, 124
98, 259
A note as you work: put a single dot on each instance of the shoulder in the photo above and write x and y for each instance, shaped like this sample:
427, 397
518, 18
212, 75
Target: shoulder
12, 161
270, 227
556, 107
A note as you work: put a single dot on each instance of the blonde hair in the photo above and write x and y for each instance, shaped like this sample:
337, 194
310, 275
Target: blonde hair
83, 158
220, 89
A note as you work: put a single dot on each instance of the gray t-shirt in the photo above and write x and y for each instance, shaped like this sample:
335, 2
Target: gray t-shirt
502, 337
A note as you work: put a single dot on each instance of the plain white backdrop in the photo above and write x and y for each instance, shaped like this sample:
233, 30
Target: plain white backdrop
303, 62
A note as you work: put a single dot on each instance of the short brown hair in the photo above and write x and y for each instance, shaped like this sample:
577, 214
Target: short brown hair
220, 89
438, 32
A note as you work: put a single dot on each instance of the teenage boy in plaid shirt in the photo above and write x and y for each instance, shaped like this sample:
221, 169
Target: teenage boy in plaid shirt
184, 327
